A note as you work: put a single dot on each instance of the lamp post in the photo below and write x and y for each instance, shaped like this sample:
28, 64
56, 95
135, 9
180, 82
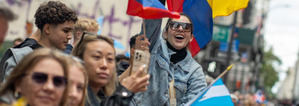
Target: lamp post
231, 37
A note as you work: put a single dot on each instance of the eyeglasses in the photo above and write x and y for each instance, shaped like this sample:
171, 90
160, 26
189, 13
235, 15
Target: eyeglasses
187, 27
84, 34
42, 78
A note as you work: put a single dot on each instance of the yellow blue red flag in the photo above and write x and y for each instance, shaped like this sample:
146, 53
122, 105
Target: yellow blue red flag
202, 13
226, 7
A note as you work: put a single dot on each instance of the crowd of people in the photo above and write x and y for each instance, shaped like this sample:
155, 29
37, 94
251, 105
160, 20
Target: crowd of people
65, 62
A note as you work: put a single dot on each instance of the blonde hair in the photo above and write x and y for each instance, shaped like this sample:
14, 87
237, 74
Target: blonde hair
73, 61
79, 52
29, 62
86, 24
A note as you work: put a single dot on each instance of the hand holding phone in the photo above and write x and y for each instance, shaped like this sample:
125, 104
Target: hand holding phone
141, 56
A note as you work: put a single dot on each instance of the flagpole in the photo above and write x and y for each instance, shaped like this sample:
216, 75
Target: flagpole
143, 26
230, 43
222, 74
210, 85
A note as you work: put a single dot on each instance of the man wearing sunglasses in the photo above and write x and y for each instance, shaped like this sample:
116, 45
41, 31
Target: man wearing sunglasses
55, 22
176, 78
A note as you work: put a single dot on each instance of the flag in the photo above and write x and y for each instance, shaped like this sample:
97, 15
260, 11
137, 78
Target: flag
202, 13
149, 9
215, 95
259, 97
226, 7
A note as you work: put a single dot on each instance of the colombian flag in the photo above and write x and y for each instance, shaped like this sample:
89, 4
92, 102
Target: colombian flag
202, 13
149, 9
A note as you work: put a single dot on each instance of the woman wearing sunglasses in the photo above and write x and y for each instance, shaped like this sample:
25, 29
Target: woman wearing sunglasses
40, 79
103, 89
77, 82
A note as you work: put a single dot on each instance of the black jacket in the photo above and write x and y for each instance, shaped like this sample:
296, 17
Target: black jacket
121, 97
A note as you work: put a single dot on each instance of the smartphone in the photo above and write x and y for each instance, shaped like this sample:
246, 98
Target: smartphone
141, 58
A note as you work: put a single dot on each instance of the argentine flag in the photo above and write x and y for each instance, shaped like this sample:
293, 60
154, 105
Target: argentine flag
214, 95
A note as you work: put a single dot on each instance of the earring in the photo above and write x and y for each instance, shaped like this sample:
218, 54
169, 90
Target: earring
17, 95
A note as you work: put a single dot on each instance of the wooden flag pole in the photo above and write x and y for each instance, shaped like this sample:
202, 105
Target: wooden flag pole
143, 25
221, 75
201, 93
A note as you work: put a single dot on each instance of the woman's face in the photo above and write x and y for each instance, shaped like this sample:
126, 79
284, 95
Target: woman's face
99, 59
76, 82
44, 84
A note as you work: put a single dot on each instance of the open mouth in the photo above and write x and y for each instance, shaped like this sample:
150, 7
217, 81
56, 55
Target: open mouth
179, 37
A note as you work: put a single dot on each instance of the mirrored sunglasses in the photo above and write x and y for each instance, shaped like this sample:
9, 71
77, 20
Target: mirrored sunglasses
187, 27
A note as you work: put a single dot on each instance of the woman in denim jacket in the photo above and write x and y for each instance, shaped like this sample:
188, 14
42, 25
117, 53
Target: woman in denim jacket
171, 61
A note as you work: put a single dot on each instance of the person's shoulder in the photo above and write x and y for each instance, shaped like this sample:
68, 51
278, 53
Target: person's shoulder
29, 42
194, 65
15, 52
192, 61
19, 53
26, 42
23, 50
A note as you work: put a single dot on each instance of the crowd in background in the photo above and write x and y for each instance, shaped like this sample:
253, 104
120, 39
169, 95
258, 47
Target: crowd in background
65, 62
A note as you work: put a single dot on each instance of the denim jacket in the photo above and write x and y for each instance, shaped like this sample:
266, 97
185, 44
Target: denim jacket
188, 74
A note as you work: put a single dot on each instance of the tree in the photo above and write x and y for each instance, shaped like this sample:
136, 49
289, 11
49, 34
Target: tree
269, 74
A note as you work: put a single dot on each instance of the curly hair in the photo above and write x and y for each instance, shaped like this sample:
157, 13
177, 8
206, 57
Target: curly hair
53, 12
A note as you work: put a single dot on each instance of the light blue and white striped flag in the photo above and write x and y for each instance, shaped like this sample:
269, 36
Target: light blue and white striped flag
214, 95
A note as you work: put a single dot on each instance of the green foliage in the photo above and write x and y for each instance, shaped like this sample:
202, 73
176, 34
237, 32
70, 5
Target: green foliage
270, 58
268, 73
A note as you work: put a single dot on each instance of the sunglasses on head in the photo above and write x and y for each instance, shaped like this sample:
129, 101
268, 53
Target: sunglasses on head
42, 78
85, 34
187, 27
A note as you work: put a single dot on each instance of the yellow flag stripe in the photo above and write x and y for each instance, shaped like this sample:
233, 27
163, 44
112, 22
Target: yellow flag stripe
226, 7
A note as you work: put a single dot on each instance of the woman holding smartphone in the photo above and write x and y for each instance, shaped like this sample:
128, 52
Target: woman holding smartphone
104, 89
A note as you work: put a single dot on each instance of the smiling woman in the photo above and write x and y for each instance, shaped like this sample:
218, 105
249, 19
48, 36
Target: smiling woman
40, 79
